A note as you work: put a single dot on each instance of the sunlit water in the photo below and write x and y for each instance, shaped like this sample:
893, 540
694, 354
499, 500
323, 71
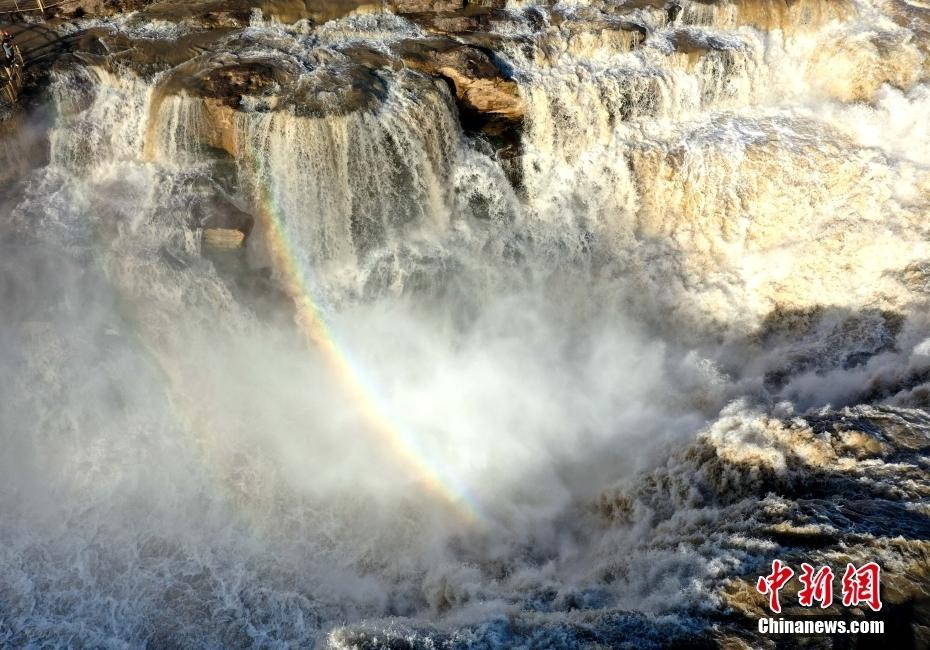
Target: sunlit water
417, 449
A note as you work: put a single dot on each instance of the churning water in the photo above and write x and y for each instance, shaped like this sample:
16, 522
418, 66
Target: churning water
440, 398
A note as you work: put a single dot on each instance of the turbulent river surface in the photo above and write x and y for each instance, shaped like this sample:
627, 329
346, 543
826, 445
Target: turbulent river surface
460, 325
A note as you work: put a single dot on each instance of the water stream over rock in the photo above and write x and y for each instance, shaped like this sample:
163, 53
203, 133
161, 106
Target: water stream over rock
453, 324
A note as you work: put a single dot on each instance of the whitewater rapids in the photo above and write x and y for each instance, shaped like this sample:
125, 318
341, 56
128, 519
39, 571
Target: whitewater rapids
577, 395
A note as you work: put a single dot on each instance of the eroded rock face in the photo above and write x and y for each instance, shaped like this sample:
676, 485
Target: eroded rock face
216, 213
267, 83
285, 11
221, 13
227, 69
427, 6
484, 92
478, 82
825, 488
83, 8
348, 80
230, 81
221, 239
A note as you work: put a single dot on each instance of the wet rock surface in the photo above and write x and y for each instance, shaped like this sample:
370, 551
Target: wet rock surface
210, 58
826, 488
771, 478
479, 83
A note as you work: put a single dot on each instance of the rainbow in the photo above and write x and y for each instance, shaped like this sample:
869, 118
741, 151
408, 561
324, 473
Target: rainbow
403, 444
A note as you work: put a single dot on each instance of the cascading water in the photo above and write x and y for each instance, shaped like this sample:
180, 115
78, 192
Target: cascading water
450, 393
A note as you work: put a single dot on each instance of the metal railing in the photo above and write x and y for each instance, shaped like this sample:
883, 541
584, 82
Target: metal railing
16, 7
29, 6
13, 75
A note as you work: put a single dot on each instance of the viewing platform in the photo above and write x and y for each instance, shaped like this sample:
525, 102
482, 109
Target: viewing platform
32, 41
8, 7
13, 76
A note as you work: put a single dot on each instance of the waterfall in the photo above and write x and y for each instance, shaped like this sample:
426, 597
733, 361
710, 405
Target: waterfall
311, 343
725, 152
